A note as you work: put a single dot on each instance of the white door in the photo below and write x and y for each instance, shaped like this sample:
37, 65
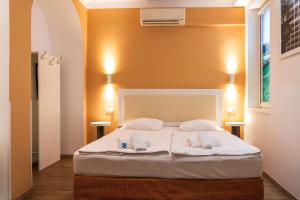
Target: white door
48, 110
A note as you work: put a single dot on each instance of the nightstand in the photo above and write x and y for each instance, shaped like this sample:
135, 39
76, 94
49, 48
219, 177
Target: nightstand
100, 127
235, 127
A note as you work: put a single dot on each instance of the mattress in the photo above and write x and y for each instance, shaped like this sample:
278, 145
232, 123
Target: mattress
168, 166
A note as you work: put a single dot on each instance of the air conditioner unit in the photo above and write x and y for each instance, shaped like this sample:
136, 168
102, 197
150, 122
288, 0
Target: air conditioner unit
162, 16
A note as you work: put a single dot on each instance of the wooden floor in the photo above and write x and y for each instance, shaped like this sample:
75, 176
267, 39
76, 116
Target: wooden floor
55, 183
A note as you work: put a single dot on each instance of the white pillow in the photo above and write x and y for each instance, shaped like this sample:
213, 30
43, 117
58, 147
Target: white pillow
198, 125
144, 124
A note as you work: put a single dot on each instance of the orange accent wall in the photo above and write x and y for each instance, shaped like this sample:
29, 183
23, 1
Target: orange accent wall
20, 95
83, 16
193, 56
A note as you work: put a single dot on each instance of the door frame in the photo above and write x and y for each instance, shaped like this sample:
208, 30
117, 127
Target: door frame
5, 141
31, 129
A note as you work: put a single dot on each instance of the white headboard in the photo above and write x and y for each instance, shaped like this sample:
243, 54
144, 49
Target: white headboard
171, 105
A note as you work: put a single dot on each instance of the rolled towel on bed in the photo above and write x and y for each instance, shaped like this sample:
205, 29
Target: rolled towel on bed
124, 143
208, 141
139, 142
193, 142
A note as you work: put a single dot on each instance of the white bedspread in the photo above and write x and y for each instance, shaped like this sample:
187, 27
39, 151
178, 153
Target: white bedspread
160, 143
165, 165
230, 145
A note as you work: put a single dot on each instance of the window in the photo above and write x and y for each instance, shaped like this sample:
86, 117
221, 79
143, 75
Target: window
265, 56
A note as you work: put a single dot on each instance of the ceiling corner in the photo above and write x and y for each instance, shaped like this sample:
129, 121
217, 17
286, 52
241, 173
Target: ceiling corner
85, 3
242, 3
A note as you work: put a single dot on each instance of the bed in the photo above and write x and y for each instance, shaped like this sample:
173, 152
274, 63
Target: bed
167, 175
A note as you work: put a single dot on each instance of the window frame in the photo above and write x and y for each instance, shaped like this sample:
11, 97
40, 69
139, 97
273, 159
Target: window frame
264, 104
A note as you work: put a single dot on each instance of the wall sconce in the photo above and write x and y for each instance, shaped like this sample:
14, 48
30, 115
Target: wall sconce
108, 78
231, 91
231, 78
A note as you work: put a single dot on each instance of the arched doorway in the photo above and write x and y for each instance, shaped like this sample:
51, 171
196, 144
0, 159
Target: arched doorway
56, 29
62, 20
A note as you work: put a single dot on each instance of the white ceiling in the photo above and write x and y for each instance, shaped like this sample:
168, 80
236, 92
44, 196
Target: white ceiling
159, 3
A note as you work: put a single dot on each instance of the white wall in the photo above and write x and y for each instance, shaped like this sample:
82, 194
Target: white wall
40, 42
4, 100
66, 41
40, 34
252, 58
277, 132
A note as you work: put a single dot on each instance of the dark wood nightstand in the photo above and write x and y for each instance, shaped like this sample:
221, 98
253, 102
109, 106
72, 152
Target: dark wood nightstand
100, 127
235, 127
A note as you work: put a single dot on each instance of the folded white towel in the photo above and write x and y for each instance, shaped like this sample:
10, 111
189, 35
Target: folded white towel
193, 142
208, 141
124, 143
108, 145
229, 145
139, 142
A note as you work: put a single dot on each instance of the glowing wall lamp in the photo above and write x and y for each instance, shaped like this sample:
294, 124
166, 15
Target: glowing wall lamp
109, 67
231, 92
231, 78
109, 93
231, 65
109, 64
108, 78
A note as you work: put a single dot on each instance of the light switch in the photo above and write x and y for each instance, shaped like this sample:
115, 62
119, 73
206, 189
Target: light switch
231, 110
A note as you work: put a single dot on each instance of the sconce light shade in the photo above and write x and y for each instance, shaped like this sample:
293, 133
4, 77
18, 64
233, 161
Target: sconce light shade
231, 78
108, 78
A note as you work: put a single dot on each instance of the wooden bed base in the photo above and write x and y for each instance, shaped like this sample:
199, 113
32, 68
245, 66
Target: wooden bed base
106, 188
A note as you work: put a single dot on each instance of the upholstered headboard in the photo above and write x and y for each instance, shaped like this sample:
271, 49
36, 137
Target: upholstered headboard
170, 105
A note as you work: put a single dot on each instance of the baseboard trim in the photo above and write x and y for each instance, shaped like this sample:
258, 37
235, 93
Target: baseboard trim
26, 194
66, 156
278, 186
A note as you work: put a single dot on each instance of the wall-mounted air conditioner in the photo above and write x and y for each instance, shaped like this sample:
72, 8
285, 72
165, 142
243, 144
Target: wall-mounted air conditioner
162, 16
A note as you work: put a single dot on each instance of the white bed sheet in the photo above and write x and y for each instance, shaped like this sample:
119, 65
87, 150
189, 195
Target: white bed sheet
169, 166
